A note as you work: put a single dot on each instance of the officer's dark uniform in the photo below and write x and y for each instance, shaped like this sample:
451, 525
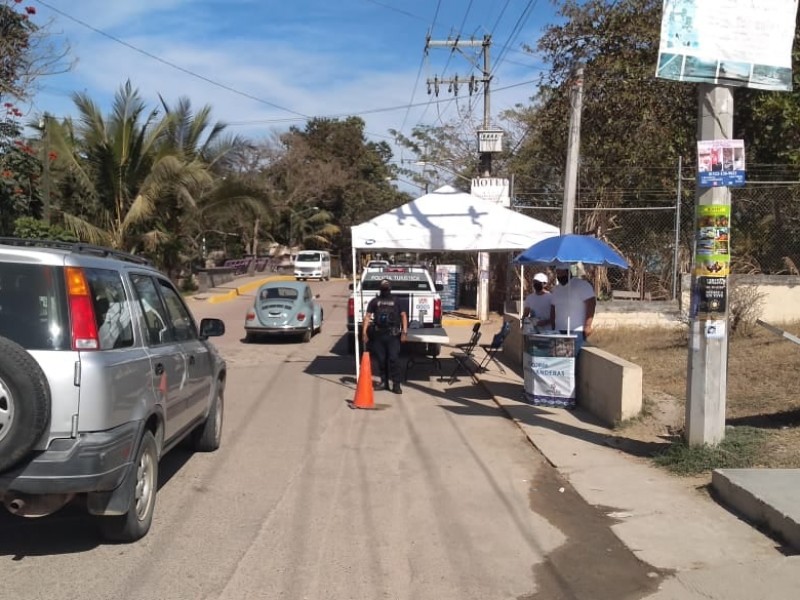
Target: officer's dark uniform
384, 338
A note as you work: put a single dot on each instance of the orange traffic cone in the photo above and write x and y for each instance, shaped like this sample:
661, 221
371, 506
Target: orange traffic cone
365, 397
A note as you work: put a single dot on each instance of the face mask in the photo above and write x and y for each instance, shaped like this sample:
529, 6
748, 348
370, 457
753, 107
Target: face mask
385, 291
563, 279
538, 286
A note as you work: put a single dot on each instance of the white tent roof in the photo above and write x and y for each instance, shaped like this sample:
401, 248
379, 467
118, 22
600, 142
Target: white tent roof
449, 220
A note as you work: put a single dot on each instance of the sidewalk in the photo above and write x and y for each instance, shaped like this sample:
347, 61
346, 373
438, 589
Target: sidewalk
663, 519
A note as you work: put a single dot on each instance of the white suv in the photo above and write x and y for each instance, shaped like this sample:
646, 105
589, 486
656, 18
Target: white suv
102, 370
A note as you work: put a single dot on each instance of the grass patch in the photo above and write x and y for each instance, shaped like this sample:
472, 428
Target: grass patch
645, 414
741, 448
761, 385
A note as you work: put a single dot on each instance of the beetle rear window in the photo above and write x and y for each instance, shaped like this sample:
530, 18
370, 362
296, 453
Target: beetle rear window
279, 293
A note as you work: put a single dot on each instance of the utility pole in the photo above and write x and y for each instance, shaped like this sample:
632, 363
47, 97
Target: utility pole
573, 153
485, 156
708, 349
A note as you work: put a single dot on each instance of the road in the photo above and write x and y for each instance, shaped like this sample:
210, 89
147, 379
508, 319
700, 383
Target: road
435, 495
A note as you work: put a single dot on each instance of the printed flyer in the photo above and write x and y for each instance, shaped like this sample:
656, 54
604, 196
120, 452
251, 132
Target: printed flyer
712, 254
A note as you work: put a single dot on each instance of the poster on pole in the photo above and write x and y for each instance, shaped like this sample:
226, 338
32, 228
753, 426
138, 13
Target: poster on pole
741, 43
720, 163
712, 244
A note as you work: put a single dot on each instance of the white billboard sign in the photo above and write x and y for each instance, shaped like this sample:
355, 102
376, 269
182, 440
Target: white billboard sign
728, 42
492, 189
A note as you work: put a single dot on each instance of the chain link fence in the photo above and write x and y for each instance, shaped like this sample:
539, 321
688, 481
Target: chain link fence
657, 238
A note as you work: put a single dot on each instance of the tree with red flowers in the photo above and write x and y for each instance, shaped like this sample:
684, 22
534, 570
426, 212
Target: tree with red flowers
27, 50
20, 169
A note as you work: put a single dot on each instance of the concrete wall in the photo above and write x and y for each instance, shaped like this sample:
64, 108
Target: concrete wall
781, 301
609, 387
209, 278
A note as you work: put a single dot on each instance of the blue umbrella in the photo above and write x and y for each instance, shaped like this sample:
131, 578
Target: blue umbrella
571, 248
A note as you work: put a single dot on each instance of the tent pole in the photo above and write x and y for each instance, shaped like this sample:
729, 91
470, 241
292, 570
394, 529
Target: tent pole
355, 321
521, 290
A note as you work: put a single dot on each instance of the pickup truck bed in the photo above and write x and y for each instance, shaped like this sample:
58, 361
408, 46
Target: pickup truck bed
414, 288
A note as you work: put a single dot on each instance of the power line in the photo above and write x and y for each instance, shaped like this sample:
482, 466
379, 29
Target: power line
373, 110
523, 18
419, 71
170, 64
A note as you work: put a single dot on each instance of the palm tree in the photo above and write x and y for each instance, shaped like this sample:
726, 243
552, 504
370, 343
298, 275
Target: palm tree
194, 137
121, 163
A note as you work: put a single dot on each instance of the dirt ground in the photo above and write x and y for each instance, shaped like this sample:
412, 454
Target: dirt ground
763, 390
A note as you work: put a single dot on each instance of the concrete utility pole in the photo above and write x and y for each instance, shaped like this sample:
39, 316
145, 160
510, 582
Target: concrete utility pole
485, 157
708, 353
573, 153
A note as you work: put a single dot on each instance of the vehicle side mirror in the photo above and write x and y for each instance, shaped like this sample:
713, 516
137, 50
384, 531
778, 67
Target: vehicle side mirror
211, 328
318, 296
350, 286
439, 286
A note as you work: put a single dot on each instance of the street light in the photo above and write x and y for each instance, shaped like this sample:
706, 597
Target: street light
292, 215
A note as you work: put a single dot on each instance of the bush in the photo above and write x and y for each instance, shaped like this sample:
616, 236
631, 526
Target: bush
745, 307
33, 229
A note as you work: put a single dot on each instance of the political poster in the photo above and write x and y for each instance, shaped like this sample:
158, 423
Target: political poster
728, 42
712, 242
720, 163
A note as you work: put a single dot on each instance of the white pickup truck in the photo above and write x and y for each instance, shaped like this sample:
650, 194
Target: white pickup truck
418, 295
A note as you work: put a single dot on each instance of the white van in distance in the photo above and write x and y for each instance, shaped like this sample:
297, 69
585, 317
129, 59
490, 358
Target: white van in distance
312, 264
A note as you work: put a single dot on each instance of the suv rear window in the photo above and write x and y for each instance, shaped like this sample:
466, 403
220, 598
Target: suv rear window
111, 309
33, 306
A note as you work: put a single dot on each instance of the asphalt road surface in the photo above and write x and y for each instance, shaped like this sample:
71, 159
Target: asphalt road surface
435, 495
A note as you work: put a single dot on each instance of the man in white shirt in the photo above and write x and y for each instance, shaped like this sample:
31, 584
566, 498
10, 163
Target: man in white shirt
538, 303
574, 304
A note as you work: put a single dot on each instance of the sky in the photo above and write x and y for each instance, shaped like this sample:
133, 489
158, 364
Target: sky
265, 65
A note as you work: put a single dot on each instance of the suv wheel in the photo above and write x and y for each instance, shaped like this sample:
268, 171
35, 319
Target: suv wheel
24, 403
142, 484
208, 436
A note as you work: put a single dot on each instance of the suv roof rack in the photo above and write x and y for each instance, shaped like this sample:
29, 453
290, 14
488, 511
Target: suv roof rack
78, 247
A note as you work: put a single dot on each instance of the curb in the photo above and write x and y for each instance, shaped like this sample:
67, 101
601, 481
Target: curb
765, 497
246, 288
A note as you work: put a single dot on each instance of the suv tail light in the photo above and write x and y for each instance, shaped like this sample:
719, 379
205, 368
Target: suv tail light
437, 309
81, 311
351, 309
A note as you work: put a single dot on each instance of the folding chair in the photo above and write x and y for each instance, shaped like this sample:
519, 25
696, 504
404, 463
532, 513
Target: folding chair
472, 340
466, 355
492, 349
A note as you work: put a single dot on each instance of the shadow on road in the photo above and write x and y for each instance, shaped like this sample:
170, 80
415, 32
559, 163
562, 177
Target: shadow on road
71, 530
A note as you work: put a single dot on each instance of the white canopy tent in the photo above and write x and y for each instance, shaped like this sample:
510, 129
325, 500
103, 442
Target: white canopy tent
450, 221
447, 220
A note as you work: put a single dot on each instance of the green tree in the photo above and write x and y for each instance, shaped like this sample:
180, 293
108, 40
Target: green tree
19, 171
329, 164
119, 162
633, 129
195, 138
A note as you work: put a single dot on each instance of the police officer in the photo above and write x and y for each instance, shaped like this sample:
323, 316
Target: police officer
386, 325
